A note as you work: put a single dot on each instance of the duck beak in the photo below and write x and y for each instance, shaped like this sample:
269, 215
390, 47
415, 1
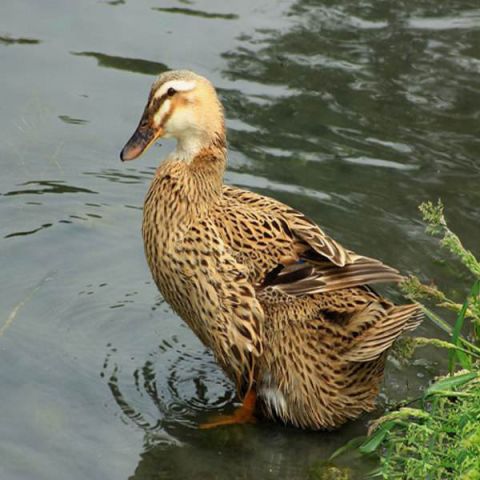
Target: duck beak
141, 139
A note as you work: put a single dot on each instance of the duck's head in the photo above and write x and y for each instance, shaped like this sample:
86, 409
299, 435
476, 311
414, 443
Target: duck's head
181, 105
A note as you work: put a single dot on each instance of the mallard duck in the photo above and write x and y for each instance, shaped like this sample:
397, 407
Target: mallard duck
288, 313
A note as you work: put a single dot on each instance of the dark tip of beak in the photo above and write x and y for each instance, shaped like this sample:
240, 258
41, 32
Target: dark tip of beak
131, 151
124, 154
139, 142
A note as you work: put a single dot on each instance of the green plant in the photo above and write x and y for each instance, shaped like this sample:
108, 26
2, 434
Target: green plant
437, 442
440, 440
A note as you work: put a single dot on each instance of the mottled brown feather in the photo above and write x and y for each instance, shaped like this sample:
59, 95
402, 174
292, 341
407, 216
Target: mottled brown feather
285, 309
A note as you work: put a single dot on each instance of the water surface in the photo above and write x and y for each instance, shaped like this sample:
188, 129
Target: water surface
353, 112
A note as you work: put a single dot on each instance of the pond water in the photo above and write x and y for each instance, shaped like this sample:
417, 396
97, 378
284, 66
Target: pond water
353, 112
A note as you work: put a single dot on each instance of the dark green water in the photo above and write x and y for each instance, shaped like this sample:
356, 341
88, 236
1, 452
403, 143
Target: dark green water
353, 112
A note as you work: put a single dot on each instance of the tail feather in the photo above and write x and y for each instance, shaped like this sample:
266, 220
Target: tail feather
381, 336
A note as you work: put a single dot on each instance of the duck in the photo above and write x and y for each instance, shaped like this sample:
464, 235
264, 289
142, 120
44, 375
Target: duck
290, 314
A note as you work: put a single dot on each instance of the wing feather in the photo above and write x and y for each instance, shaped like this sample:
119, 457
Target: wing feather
324, 266
304, 279
301, 227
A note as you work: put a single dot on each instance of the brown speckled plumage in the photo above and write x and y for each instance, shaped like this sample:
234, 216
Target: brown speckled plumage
285, 309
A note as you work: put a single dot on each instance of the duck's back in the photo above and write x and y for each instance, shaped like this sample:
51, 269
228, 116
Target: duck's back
325, 332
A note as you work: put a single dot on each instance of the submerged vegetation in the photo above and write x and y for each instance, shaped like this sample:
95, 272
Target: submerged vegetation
440, 438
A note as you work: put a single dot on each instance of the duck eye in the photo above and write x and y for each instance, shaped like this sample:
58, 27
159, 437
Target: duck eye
171, 92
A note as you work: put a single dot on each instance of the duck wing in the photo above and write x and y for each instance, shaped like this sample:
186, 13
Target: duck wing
303, 278
303, 231
315, 263
231, 317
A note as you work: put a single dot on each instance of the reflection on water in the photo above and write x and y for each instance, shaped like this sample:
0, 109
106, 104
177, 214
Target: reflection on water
72, 121
137, 65
196, 13
7, 40
189, 385
41, 187
46, 187
126, 175
356, 85
353, 112
468, 20
28, 232
360, 97
176, 389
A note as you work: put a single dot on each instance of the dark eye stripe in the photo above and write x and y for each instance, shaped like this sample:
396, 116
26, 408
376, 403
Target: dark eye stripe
157, 102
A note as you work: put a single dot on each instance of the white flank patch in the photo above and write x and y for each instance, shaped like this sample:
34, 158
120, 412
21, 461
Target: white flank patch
275, 399
178, 85
163, 110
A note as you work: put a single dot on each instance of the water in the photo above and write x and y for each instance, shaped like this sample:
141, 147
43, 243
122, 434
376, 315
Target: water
352, 112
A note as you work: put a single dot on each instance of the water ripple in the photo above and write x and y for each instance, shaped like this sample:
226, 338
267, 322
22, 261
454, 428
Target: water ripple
196, 13
48, 186
183, 385
468, 20
137, 65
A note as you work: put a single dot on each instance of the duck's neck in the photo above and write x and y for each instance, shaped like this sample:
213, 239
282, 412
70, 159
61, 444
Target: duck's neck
205, 158
189, 147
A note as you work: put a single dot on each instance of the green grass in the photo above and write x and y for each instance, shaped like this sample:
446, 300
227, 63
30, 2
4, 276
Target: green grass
440, 439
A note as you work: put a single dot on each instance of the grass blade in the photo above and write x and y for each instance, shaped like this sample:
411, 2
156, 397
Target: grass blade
350, 445
454, 355
475, 305
377, 437
450, 383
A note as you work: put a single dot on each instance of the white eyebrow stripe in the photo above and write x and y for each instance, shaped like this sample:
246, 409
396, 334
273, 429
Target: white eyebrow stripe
160, 115
178, 85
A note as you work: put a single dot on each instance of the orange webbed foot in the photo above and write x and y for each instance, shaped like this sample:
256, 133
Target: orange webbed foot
241, 415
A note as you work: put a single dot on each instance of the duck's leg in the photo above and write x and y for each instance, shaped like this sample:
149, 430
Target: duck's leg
243, 414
